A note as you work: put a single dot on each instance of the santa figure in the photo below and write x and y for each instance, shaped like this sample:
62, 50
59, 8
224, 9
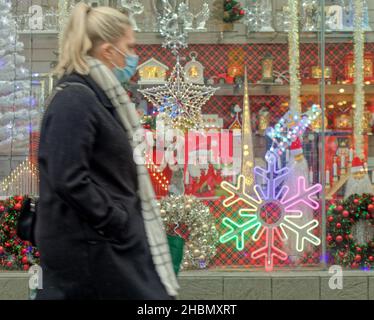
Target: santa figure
358, 181
298, 167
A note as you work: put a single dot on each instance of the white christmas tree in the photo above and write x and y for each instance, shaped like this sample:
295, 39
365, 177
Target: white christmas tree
19, 115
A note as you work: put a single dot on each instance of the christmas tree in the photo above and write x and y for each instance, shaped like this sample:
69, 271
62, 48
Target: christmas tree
233, 11
19, 116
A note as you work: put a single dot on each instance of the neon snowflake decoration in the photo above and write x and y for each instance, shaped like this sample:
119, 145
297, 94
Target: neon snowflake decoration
271, 212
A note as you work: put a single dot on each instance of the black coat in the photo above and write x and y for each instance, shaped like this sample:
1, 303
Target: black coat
89, 229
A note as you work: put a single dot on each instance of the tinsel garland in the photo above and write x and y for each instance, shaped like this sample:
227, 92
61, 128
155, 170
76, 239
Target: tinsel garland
359, 97
341, 218
191, 219
15, 254
294, 56
63, 14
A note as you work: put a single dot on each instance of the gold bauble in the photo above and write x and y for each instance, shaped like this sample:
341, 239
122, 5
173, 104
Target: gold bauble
202, 257
196, 252
163, 212
188, 207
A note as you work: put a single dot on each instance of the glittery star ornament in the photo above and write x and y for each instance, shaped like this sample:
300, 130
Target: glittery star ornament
179, 101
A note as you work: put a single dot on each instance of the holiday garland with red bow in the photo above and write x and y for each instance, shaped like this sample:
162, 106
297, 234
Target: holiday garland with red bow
341, 217
15, 254
233, 11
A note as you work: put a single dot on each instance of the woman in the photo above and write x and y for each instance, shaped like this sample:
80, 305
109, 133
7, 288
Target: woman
98, 227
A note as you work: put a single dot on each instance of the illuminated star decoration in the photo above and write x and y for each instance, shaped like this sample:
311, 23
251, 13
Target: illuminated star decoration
179, 101
270, 213
289, 127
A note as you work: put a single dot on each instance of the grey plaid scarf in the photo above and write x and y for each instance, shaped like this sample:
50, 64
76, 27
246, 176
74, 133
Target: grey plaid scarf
156, 235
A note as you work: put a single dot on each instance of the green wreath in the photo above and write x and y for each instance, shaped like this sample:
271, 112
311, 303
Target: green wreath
341, 217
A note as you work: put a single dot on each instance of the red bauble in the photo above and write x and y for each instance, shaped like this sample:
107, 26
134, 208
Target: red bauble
241, 12
358, 249
339, 239
1, 250
339, 208
37, 254
356, 201
354, 265
338, 225
17, 206
23, 251
26, 267
316, 255
7, 244
372, 199
330, 219
2, 208
371, 258
24, 260
358, 258
345, 214
310, 260
371, 208
329, 238
341, 254
9, 264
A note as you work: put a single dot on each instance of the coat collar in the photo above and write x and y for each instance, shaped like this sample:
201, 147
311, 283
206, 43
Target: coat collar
88, 81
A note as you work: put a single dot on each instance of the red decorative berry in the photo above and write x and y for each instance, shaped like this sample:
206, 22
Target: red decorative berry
341, 254
37, 254
330, 219
241, 12
23, 251
354, 265
26, 267
339, 239
356, 201
18, 206
358, 258
2, 208
1, 250
371, 258
371, 208
338, 225
339, 208
372, 199
9, 264
345, 214
358, 249
7, 244
329, 238
24, 260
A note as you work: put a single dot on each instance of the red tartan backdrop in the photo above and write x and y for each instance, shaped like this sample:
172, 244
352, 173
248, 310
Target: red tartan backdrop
214, 58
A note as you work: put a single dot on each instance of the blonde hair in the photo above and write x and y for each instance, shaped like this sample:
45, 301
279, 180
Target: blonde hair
85, 28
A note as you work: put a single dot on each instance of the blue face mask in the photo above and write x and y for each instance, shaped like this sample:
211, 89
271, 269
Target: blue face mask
124, 75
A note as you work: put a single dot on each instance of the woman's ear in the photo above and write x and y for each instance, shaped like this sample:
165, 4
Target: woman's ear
106, 52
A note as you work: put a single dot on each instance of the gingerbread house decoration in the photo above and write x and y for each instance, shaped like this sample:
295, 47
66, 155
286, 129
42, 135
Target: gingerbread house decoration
152, 72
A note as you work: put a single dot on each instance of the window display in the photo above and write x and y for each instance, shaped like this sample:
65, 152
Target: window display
259, 135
